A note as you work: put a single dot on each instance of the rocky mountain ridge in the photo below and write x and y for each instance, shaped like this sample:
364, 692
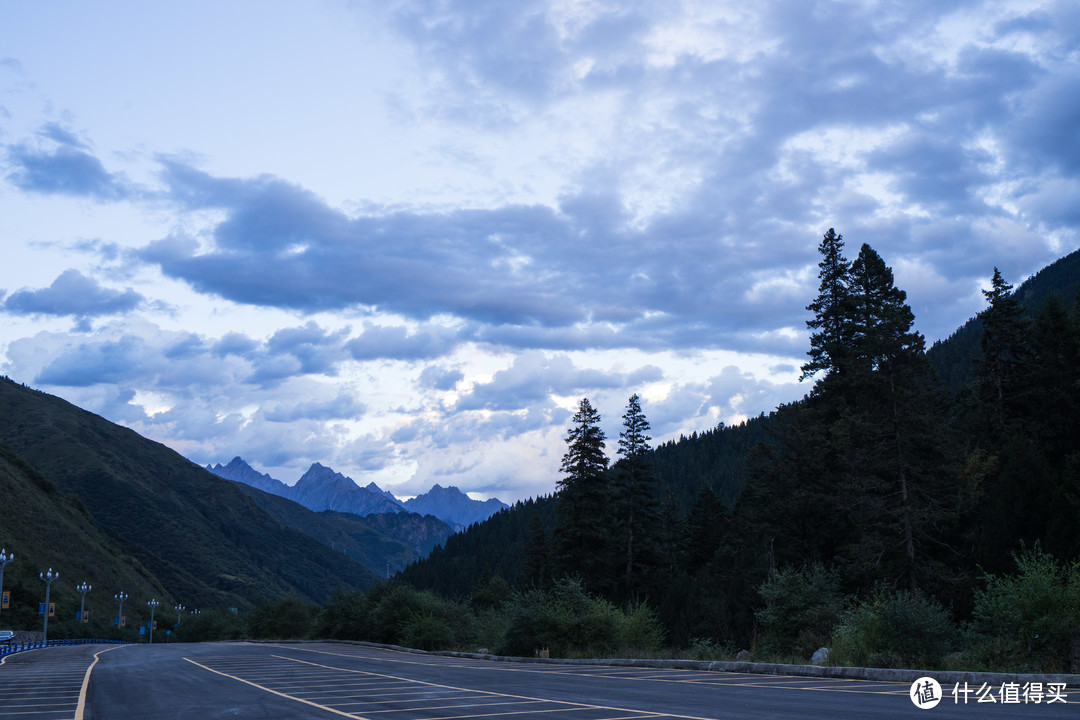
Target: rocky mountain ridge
322, 488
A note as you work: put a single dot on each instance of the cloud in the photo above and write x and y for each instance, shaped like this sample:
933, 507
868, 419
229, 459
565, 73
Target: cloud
397, 342
73, 293
534, 378
64, 167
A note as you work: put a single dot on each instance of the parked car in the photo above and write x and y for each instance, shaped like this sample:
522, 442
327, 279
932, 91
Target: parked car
7, 636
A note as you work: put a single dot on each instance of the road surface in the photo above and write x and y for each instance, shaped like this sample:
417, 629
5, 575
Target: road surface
322, 681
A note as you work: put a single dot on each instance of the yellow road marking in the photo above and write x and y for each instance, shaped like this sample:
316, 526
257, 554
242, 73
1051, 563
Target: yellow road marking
275, 692
81, 707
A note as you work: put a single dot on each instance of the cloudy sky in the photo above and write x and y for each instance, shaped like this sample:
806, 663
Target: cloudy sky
404, 238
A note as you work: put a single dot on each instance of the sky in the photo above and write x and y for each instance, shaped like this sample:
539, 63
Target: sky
404, 239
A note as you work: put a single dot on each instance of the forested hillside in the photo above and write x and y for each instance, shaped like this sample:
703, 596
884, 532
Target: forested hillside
201, 537
881, 492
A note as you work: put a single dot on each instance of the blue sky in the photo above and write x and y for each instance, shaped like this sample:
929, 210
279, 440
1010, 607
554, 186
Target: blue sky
404, 239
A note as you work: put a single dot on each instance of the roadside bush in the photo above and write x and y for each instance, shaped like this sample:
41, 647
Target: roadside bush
401, 615
346, 616
212, 626
1027, 622
894, 629
288, 619
802, 608
570, 623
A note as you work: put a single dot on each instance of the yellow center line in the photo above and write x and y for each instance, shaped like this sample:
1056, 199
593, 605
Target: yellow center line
275, 692
81, 707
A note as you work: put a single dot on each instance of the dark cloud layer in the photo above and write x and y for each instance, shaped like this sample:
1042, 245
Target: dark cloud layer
75, 294
717, 143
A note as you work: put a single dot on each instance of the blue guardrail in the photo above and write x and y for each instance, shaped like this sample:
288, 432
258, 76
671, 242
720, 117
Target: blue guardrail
14, 647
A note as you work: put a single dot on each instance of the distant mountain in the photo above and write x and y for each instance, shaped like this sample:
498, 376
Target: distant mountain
328, 493
385, 493
454, 506
203, 540
240, 471
321, 488
370, 540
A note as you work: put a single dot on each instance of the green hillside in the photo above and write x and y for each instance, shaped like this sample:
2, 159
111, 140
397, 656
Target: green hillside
45, 528
954, 358
205, 541
344, 533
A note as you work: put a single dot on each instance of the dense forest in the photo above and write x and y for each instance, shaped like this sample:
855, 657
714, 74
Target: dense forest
913, 504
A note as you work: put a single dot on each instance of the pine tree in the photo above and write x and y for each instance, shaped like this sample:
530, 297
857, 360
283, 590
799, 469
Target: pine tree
831, 339
582, 542
1005, 348
535, 570
635, 497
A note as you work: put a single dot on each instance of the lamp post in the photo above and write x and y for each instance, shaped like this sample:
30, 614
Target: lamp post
4, 560
82, 590
120, 612
48, 577
153, 605
179, 609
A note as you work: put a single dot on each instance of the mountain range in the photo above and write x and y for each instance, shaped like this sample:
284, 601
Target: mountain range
321, 488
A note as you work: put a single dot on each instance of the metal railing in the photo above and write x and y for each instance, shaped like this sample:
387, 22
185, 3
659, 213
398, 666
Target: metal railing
14, 647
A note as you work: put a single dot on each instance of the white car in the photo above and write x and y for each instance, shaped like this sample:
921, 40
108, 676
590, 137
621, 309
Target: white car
7, 636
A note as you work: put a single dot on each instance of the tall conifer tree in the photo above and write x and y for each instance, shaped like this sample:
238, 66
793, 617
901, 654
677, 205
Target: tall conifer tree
583, 532
830, 340
636, 502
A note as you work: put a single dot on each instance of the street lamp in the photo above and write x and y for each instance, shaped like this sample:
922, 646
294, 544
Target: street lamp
179, 609
82, 590
153, 604
120, 612
48, 577
4, 560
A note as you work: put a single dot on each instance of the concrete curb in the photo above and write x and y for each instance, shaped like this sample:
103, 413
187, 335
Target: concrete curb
945, 677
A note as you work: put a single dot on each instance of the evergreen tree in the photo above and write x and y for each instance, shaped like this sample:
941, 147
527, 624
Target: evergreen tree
536, 570
1005, 348
901, 478
582, 542
830, 340
635, 495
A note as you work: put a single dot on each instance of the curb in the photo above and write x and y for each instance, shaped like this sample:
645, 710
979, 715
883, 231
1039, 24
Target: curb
945, 677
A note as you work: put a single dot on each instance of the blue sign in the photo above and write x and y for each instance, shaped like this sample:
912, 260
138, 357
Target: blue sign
142, 629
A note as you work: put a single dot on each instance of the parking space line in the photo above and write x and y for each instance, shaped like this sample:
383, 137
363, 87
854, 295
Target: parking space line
275, 692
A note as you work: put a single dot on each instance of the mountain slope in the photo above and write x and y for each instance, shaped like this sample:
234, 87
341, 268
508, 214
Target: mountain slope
357, 537
206, 541
454, 506
954, 358
45, 529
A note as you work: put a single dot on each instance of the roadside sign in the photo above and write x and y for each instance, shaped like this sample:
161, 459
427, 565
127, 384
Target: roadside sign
5, 601
142, 629
52, 609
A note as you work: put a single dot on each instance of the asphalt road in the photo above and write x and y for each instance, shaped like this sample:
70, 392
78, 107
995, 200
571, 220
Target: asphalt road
323, 681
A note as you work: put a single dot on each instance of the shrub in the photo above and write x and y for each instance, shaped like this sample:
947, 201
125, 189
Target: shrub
290, 618
570, 623
1027, 622
894, 629
802, 608
346, 616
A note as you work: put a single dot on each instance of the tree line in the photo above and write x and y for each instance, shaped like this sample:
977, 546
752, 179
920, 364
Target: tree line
881, 499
